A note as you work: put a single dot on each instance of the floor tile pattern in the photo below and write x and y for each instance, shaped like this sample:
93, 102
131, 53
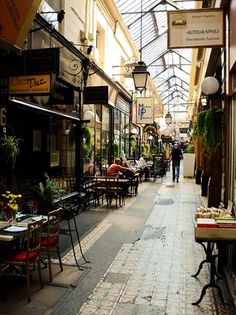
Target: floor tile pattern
153, 275
87, 242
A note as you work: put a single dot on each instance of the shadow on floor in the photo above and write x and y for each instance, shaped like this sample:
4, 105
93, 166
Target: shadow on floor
13, 298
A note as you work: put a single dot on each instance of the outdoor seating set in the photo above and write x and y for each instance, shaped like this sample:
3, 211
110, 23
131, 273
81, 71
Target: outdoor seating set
24, 242
109, 188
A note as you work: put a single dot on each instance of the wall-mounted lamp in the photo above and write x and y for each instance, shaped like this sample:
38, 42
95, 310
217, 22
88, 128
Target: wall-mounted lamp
210, 85
89, 47
203, 101
60, 15
168, 118
134, 131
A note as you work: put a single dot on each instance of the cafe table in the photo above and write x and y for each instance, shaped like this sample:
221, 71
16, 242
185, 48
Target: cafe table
210, 237
10, 231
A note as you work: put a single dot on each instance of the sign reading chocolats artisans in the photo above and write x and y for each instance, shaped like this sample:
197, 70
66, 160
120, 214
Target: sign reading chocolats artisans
196, 28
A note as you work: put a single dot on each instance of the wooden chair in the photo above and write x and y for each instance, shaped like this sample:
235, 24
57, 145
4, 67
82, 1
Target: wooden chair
114, 190
26, 256
50, 238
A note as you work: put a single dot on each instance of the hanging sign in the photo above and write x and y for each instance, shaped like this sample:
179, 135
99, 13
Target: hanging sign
144, 110
30, 84
196, 28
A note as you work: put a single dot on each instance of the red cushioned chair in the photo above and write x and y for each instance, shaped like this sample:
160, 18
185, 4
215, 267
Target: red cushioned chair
26, 256
50, 238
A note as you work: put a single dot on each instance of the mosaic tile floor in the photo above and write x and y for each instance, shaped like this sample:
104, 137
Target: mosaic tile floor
153, 274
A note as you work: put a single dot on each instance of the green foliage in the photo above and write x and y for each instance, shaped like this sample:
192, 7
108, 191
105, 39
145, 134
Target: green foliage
189, 148
45, 193
115, 148
133, 142
10, 145
208, 128
87, 142
199, 126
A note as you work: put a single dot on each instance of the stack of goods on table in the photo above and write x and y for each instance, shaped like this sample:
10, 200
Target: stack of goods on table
214, 218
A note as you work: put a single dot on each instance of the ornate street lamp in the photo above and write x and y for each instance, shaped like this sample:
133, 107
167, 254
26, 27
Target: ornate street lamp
168, 118
140, 73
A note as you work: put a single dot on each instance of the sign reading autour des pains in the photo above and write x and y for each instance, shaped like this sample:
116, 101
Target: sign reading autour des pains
16, 17
196, 28
37, 84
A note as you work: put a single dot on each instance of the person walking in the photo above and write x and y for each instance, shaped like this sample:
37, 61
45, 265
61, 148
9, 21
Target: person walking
175, 156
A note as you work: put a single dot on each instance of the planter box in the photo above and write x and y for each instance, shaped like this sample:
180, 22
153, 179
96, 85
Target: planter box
188, 164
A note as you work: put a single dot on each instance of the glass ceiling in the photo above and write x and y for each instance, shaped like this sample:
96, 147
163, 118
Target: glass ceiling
170, 69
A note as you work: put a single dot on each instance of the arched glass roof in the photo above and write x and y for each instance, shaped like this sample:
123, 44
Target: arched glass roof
169, 68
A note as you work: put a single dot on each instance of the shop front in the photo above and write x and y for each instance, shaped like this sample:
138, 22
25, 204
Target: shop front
44, 84
106, 134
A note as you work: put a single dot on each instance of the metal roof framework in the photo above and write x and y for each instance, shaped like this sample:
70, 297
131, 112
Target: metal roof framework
169, 68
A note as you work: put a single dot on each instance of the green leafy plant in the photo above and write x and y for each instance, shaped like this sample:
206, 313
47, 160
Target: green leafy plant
115, 148
208, 128
189, 148
10, 145
45, 193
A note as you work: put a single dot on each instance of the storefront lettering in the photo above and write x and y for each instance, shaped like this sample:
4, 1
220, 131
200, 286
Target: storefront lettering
197, 32
31, 82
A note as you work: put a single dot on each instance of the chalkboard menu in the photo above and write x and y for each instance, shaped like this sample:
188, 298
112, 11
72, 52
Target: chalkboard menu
158, 166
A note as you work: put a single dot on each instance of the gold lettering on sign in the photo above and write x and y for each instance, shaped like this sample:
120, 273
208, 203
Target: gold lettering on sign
34, 84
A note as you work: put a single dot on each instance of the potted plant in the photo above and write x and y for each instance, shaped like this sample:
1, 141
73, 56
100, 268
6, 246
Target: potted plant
10, 146
208, 129
44, 194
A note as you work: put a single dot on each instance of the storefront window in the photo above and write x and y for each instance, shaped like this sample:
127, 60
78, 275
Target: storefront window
62, 147
105, 137
121, 133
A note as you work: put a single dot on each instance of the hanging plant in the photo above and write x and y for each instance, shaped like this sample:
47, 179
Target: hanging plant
208, 129
199, 126
10, 145
213, 130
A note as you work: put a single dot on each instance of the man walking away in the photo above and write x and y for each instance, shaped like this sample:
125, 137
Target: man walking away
176, 156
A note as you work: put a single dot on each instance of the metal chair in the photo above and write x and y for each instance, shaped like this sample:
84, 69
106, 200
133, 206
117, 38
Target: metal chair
26, 256
50, 238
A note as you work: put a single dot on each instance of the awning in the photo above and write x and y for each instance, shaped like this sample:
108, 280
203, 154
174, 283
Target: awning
43, 109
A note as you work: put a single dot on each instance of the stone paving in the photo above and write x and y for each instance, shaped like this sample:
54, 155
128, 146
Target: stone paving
153, 274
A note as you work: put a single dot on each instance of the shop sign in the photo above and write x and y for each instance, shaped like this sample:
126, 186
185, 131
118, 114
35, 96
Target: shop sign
61, 94
145, 110
41, 60
30, 84
196, 28
96, 95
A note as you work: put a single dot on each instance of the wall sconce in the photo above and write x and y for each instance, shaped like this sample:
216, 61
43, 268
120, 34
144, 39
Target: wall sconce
134, 131
210, 85
89, 47
60, 15
168, 118
203, 101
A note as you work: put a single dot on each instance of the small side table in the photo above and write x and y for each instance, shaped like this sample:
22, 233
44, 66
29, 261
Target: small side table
209, 238
210, 258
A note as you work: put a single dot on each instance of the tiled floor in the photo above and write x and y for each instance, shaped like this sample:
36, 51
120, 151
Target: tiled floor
153, 274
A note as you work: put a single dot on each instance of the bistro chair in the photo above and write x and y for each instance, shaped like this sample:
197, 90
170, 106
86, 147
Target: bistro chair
50, 238
114, 190
26, 256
